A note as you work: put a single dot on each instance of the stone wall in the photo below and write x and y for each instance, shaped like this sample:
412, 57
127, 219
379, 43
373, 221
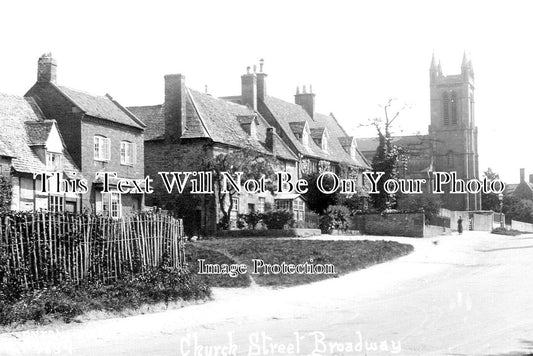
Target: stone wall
521, 226
409, 224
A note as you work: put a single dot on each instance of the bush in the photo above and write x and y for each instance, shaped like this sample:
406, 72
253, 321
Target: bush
335, 218
504, 231
251, 219
278, 219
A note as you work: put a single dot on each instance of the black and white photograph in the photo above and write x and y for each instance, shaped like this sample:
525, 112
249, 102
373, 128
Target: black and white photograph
266, 178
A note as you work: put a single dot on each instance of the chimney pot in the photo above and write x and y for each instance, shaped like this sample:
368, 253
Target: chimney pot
47, 69
261, 63
522, 174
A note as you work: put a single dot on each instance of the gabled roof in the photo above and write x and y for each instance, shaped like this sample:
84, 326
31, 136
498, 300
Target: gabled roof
21, 126
212, 118
289, 116
102, 107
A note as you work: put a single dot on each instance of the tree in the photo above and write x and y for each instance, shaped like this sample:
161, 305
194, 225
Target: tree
518, 209
388, 158
252, 164
490, 201
317, 201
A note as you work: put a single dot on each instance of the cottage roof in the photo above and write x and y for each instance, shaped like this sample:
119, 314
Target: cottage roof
22, 126
102, 107
292, 116
216, 119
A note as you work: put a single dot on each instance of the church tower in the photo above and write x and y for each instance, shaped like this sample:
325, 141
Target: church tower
453, 130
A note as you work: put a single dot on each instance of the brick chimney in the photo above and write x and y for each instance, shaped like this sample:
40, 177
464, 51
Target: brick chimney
269, 141
175, 106
522, 175
261, 82
306, 100
47, 69
249, 89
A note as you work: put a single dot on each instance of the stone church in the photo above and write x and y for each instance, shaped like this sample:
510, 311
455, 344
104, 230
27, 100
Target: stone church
451, 142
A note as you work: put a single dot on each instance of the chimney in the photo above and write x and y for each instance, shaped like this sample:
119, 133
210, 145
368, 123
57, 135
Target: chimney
175, 106
261, 81
47, 69
249, 89
522, 175
306, 100
531, 178
269, 142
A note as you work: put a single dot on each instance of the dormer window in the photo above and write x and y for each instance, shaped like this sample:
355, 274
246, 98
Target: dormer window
54, 161
325, 143
353, 150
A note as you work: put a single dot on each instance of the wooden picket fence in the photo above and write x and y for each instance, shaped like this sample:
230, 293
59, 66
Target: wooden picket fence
38, 249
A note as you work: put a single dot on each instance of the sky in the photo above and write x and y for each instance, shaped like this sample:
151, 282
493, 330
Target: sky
355, 54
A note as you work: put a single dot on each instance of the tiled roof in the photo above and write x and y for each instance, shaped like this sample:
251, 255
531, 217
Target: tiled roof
214, 118
317, 132
290, 116
297, 127
153, 118
102, 107
16, 115
38, 131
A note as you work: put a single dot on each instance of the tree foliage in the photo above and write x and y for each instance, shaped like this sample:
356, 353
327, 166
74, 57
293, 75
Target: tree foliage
388, 158
252, 164
490, 201
317, 201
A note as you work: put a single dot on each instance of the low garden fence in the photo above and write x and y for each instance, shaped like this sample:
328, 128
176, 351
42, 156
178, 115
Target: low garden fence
46, 248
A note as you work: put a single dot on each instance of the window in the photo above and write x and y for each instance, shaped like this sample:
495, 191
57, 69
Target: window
56, 203
261, 205
449, 159
235, 204
53, 161
102, 148
446, 108
112, 204
299, 210
453, 102
283, 204
127, 153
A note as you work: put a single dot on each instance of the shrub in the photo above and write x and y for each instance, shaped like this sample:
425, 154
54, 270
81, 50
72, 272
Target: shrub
335, 218
278, 219
504, 231
251, 219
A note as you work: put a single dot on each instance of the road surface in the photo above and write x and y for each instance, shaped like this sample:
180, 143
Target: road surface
455, 295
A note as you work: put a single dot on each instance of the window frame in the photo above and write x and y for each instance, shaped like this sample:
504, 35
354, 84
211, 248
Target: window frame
103, 144
58, 166
124, 144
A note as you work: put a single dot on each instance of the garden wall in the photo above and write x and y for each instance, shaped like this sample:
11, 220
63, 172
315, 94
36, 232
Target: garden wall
521, 226
406, 224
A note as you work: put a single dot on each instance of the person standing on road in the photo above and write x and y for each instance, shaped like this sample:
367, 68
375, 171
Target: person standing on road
460, 225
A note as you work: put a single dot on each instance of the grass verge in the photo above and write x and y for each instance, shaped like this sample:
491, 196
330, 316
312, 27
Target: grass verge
67, 301
346, 256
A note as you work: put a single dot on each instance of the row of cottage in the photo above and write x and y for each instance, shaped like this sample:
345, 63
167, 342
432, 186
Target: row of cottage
56, 128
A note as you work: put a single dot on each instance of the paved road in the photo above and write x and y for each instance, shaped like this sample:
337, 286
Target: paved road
464, 295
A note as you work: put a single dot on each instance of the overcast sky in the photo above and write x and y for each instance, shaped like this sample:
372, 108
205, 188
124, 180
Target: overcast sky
355, 54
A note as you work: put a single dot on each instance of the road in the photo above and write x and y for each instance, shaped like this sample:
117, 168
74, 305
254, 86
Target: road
455, 295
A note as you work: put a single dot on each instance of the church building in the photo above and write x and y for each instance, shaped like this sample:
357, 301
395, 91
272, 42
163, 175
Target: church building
451, 142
